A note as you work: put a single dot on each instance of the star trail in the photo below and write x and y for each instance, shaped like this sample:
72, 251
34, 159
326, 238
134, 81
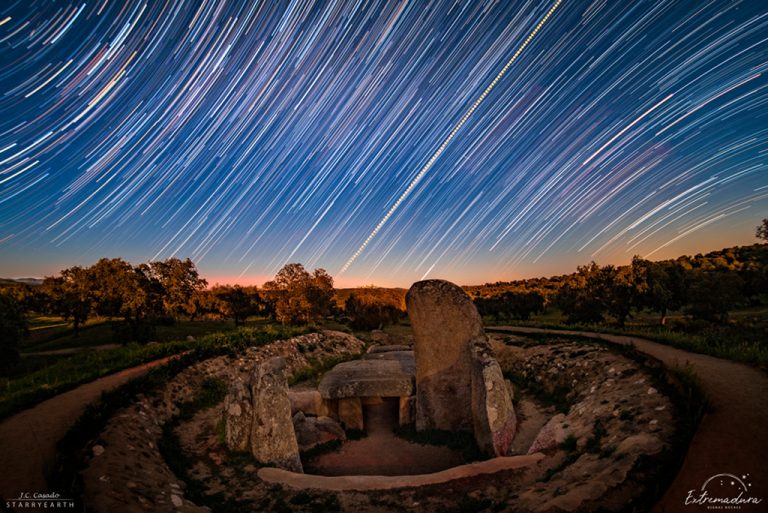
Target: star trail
392, 141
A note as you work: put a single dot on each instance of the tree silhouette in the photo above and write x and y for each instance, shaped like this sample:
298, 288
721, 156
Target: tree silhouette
13, 326
299, 297
762, 230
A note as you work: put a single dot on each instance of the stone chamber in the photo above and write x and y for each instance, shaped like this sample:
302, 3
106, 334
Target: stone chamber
555, 425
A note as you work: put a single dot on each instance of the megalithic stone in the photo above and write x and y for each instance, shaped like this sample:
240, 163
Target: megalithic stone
238, 416
273, 439
495, 421
445, 326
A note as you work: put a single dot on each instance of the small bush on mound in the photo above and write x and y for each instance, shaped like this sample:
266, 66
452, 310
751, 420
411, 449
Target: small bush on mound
458, 441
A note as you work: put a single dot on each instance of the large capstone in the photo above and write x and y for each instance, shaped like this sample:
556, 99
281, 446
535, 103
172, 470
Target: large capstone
385, 374
273, 440
445, 326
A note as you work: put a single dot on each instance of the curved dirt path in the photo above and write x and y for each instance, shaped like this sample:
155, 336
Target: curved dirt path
28, 439
733, 435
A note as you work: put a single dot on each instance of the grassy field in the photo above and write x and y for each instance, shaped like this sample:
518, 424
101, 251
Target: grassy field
53, 333
21, 391
742, 340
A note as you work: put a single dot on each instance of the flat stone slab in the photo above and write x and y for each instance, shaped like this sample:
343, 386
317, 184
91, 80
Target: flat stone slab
387, 349
406, 357
344, 483
390, 376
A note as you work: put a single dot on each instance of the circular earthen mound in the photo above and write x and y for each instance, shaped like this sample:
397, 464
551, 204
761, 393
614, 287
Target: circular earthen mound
591, 423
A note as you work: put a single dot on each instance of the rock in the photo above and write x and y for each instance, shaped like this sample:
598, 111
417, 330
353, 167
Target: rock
407, 411
177, 501
309, 402
351, 413
313, 431
494, 419
238, 416
190, 338
550, 436
273, 440
392, 376
445, 326
379, 337
388, 348
98, 450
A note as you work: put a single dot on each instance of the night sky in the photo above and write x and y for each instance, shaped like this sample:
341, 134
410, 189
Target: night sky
473, 141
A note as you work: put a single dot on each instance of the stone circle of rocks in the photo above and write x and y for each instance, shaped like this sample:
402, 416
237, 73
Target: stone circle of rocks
451, 379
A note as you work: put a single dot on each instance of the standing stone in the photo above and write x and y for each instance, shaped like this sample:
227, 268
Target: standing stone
273, 440
351, 413
238, 417
495, 422
445, 326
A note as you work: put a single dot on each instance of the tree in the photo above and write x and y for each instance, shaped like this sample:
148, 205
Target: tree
131, 293
368, 310
70, 295
180, 281
298, 297
236, 302
713, 294
13, 326
623, 292
762, 230
584, 296
663, 286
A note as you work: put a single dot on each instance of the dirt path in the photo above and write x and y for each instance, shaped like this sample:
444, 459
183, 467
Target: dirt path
732, 437
382, 453
28, 439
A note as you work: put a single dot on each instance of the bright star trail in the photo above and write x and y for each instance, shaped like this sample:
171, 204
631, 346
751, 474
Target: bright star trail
247, 135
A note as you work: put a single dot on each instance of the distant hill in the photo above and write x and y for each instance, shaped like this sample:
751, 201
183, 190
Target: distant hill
32, 282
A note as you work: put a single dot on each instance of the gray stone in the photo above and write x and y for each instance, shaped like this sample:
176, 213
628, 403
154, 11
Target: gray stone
309, 402
493, 414
445, 326
389, 348
273, 440
550, 436
351, 413
314, 431
238, 416
391, 377
407, 410
379, 337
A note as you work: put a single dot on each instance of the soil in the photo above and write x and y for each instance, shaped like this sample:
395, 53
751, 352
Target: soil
28, 439
731, 437
381, 452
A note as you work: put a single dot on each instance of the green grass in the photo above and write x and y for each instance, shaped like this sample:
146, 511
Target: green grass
67, 373
101, 332
65, 475
737, 342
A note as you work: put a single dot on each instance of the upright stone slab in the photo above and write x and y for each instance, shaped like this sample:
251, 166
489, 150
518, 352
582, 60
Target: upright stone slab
273, 439
445, 326
495, 422
238, 416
